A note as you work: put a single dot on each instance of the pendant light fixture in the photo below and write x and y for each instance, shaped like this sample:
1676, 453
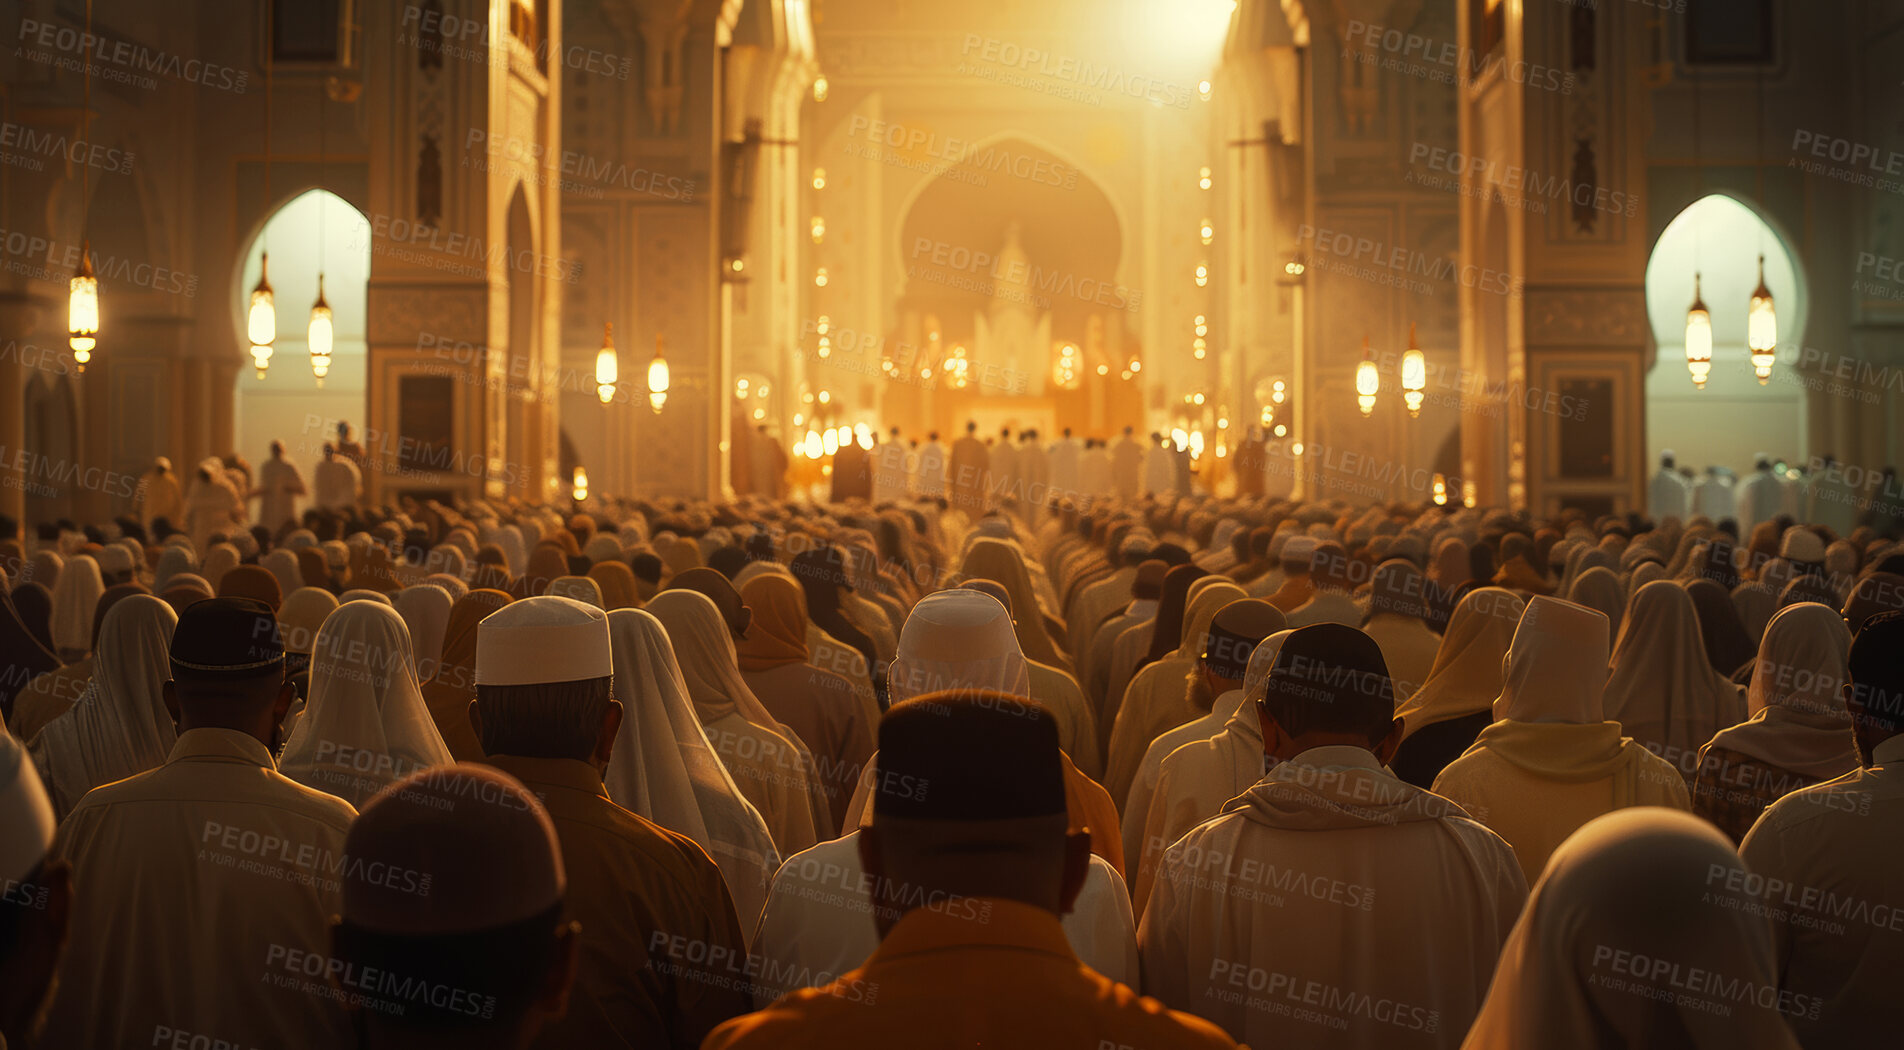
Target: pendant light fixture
322, 333
1761, 319
657, 377
82, 298
1414, 375
607, 366
1368, 381
261, 323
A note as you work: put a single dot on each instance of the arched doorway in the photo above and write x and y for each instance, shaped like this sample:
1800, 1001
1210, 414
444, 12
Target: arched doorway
1010, 312
1734, 417
314, 229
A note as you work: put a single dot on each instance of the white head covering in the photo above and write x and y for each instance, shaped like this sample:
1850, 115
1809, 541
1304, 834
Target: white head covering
113, 559
1662, 687
120, 725
540, 639
26, 816
219, 560
580, 588
74, 599
663, 767
446, 558
603, 546
1556, 666
283, 564
1799, 720
1465, 678
958, 639
451, 585
365, 724
360, 594
425, 609
1639, 934
704, 651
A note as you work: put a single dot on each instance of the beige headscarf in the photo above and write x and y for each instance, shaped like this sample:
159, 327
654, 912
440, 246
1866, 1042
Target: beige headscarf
1638, 934
1799, 720
1663, 689
365, 724
957, 639
119, 726
1466, 676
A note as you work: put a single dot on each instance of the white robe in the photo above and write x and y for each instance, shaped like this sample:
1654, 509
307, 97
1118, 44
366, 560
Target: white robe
338, 485
1713, 498
818, 922
279, 486
1380, 932
1064, 456
1758, 498
930, 468
1668, 496
1094, 472
1160, 471
1144, 786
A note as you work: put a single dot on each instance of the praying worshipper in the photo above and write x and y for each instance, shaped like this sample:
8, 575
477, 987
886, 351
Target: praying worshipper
26, 661
1296, 563
929, 469
773, 768
1728, 647
1551, 761
822, 576
1712, 496
1600, 589
1758, 496
1223, 628
488, 957
1662, 690
1063, 457
1154, 652
119, 726
1150, 826
817, 924
967, 882
1643, 931
1456, 701
546, 714
818, 705
1398, 621
337, 481
1668, 495
365, 724
1333, 574
1143, 585
963, 639
1401, 897
158, 496
1834, 850
448, 693
279, 486
46, 697
1127, 465
1095, 469
74, 597
212, 506
969, 463
37, 907
1058, 693
172, 919
425, 608
1799, 731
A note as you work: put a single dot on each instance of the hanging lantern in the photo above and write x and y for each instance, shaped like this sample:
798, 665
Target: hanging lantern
1698, 338
1414, 374
580, 489
1368, 381
82, 309
261, 324
1206, 231
321, 335
1441, 491
607, 366
1761, 329
657, 378
819, 88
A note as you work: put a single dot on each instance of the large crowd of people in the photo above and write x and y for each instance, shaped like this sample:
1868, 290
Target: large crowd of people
1042, 749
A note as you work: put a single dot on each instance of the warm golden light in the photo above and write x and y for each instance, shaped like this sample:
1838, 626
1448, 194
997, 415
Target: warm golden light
819, 88
82, 309
321, 336
1203, 178
819, 277
580, 486
1368, 381
607, 365
1761, 329
1414, 375
819, 178
1441, 491
819, 229
1203, 274
1698, 338
1206, 231
657, 377
261, 323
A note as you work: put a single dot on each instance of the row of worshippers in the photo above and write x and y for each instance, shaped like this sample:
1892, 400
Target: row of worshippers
943, 643
216, 497
1020, 473
1823, 492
